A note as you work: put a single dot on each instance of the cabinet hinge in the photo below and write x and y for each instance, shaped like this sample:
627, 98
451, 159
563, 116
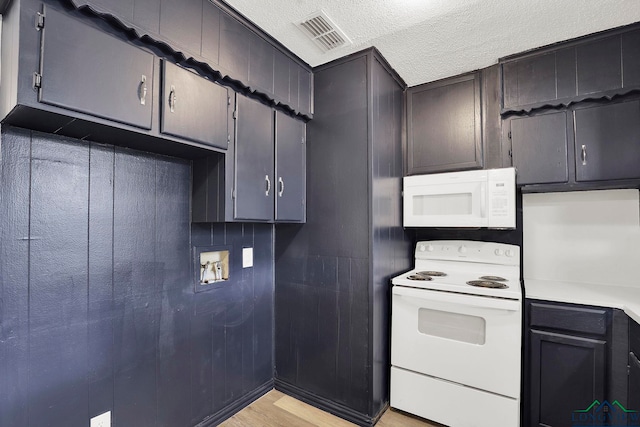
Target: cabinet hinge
510, 152
509, 135
302, 140
228, 138
235, 114
37, 80
228, 100
39, 20
233, 193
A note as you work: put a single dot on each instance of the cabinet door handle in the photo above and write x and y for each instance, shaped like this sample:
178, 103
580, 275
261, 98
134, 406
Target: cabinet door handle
281, 182
634, 359
583, 155
266, 178
172, 99
142, 90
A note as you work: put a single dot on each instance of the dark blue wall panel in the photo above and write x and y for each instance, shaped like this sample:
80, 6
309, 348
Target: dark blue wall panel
97, 304
333, 273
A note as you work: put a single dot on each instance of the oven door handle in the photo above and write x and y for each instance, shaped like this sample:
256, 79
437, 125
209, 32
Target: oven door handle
462, 300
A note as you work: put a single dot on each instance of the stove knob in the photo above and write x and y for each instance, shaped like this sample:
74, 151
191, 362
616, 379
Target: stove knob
499, 252
422, 248
430, 248
509, 253
462, 249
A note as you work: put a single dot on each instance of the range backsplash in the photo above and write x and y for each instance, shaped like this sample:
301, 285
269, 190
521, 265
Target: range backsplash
582, 237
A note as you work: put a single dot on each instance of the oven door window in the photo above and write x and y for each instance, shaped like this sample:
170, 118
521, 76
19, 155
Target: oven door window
453, 326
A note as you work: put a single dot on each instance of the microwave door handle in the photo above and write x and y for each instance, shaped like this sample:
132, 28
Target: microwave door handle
483, 200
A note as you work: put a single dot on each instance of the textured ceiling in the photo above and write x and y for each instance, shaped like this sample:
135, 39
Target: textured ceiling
425, 40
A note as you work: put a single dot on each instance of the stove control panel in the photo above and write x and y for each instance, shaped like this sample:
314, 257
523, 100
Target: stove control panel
468, 250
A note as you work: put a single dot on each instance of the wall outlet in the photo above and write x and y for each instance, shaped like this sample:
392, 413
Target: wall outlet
247, 257
102, 420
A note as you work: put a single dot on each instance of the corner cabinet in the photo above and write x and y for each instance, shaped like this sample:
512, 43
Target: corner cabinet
574, 355
444, 125
262, 178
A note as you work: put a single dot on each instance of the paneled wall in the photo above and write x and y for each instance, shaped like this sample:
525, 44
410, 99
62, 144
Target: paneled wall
97, 303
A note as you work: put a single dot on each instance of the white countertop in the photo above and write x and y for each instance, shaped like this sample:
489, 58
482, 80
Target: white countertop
621, 297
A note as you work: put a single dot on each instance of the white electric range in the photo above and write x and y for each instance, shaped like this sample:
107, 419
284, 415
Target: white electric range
457, 334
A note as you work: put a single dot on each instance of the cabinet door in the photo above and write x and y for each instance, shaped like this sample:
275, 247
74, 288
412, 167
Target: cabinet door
539, 148
261, 64
235, 44
607, 142
444, 129
181, 22
305, 90
567, 374
539, 78
599, 65
193, 107
87, 70
290, 168
254, 184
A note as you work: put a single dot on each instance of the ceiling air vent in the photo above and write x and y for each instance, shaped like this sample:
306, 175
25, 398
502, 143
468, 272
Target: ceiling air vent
322, 30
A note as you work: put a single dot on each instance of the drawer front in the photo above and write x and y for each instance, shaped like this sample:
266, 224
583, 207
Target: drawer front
588, 320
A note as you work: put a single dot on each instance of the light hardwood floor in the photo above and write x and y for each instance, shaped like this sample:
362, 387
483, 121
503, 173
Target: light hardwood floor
276, 409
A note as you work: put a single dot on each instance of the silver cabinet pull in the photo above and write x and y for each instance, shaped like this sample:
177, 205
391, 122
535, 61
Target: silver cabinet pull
281, 182
583, 155
266, 178
142, 90
172, 99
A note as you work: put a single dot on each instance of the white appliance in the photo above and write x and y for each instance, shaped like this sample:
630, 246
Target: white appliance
456, 334
479, 198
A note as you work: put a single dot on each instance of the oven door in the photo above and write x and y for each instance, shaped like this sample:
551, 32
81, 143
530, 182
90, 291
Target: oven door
467, 339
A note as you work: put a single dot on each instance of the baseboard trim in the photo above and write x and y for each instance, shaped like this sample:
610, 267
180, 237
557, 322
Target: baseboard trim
235, 406
327, 405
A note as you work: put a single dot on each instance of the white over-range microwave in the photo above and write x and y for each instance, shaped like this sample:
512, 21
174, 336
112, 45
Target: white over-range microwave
479, 198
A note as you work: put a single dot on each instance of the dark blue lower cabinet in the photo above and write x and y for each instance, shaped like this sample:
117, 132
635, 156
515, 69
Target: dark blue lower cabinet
576, 366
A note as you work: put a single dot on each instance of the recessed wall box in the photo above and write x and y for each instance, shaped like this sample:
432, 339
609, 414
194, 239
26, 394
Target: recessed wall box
212, 266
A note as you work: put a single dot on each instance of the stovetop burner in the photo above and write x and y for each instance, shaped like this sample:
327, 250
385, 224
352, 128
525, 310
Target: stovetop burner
432, 273
419, 276
487, 284
493, 278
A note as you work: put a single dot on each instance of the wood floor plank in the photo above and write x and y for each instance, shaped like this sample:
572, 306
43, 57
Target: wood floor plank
276, 409
310, 414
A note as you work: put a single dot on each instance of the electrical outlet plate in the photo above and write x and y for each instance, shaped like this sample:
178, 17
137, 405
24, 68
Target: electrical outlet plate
102, 420
247, 257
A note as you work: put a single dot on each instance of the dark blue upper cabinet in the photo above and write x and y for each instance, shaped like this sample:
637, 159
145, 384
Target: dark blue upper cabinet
607, 141
255, 185
600, 66
95, 73
210, 33
290, 169
444, 125
261, 56
235, 42
181, 22
194, 107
